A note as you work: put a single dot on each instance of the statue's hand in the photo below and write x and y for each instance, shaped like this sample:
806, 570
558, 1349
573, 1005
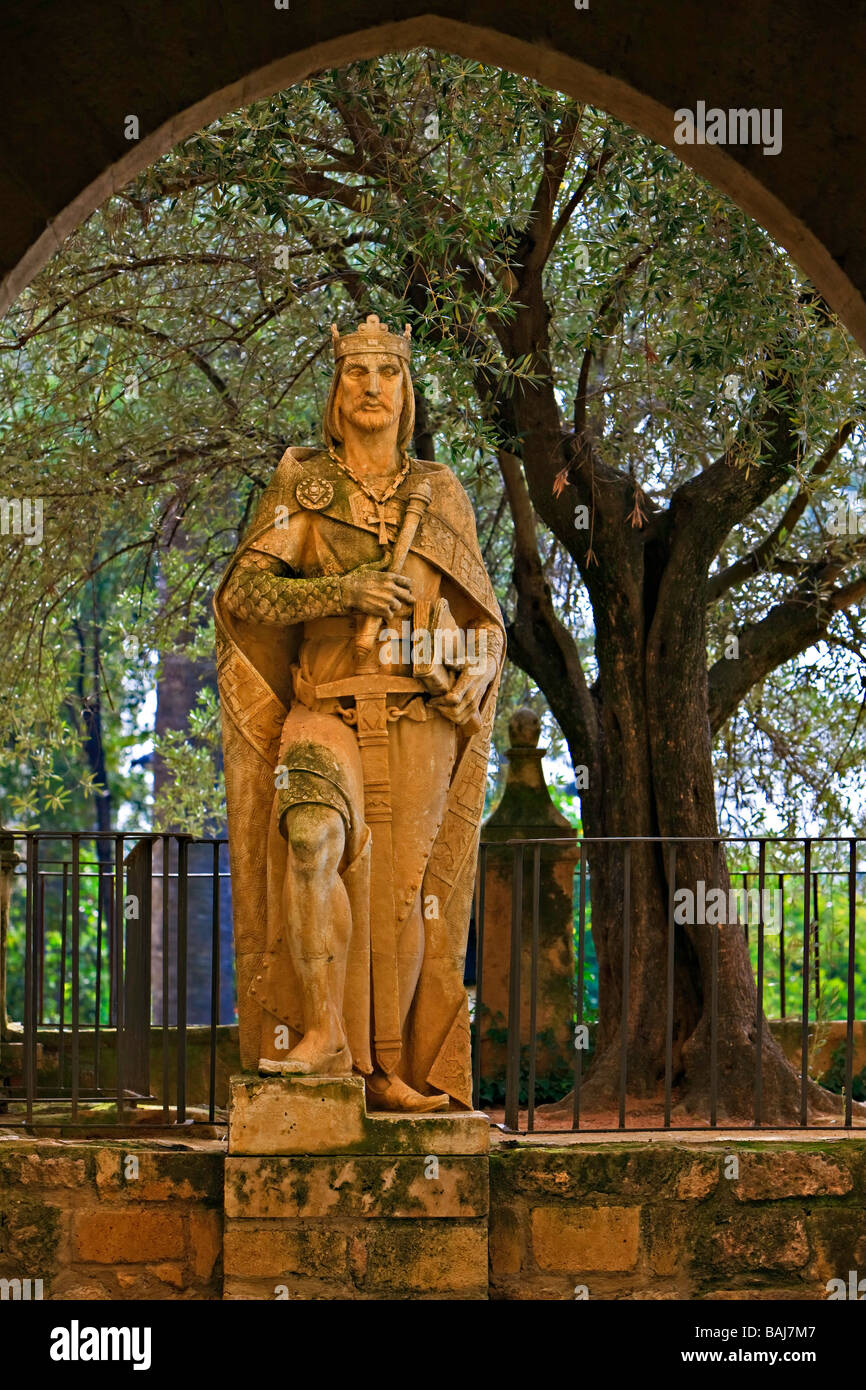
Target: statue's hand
382, 595
465, 695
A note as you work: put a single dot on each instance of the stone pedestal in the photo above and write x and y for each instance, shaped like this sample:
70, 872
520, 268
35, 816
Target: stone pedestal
326, 1201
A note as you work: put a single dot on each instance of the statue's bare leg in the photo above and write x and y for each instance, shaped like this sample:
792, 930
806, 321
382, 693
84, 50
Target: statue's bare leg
319, 931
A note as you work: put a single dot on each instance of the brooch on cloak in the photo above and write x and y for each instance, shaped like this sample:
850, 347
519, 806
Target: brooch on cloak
314, 493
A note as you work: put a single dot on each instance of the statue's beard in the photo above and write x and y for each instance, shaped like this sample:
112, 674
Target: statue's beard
371, 421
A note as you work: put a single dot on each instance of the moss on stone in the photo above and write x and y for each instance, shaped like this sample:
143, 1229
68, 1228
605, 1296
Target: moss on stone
203, 1171
29, 1237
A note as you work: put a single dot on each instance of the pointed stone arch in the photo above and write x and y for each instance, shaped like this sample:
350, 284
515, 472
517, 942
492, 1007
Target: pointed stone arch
74, 73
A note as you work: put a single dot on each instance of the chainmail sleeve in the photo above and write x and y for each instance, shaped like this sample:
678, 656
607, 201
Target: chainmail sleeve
261, 589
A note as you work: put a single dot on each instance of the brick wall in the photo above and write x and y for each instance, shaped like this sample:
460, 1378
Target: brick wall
666, 1220
112, 1221
660, 1219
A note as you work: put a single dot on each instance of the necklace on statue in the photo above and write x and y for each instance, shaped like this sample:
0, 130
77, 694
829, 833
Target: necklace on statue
378, 500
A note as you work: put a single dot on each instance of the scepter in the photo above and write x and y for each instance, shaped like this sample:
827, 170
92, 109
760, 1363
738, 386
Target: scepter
368, 630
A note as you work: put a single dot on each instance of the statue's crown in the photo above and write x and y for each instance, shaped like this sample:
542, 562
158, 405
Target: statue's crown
371, 336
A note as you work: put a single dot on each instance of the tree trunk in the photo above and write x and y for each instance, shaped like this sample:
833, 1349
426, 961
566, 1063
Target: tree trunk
643, 733
89, 633
655, 778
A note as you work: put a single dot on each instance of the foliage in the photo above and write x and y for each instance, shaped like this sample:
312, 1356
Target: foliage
834, 1077
556, 1082
152, 374
94, 961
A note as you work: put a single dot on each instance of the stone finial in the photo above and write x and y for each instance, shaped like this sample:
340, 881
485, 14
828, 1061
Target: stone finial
524, 728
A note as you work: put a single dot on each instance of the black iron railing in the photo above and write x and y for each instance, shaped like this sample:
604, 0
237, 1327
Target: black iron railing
782, 954
102, 943
120, 966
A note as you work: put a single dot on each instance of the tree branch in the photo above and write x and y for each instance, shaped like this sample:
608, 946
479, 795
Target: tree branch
759, 558
121, 320
792, 626
589, 179
539, 643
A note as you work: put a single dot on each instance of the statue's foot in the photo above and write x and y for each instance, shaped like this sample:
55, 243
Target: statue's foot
390, 1093
312, 1061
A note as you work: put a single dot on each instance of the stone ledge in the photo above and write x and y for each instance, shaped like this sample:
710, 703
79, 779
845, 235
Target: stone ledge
309, 1115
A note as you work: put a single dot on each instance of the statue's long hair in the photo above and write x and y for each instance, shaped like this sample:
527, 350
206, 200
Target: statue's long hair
406, 430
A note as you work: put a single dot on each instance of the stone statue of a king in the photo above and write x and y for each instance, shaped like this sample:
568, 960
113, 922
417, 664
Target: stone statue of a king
359, 648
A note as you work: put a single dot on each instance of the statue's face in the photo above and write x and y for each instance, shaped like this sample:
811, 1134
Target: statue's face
370, 391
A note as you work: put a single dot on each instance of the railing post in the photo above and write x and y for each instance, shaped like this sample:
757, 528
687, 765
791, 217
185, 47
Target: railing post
30, 972
166, 920
581, 959
533, 987
76, 974
852, 981
119, 1011
8, 861
816, 918
759, 989
626, 980
182, 922
64, 908
804, 1021
782, 1004
214, 979
512, 1072
714, 1001
480, 880
669, 984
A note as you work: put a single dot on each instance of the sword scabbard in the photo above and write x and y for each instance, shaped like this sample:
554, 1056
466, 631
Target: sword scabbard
371, 727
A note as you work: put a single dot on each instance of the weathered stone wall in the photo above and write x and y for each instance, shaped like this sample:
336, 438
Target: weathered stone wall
729, 1220
603, 1220
76, 1216
356, 1228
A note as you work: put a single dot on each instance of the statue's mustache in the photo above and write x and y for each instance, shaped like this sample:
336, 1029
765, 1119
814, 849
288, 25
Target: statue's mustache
362, 414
